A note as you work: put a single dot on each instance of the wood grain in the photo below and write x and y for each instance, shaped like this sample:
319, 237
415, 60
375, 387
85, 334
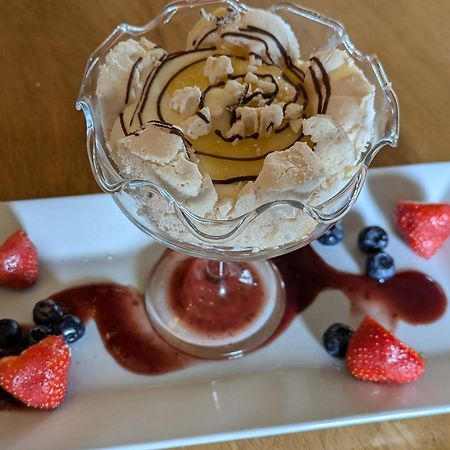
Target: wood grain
45, 45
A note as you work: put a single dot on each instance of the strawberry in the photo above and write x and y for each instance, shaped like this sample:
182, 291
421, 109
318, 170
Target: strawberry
375, 354
38, 376
424, 226
18, 262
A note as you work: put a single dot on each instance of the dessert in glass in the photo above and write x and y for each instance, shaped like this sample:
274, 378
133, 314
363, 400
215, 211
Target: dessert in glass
248, 141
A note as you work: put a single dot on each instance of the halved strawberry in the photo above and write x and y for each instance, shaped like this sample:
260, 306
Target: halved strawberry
375, 354
18, 261
38, 376
424, 226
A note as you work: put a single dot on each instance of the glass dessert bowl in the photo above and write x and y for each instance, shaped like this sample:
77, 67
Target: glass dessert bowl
293, 139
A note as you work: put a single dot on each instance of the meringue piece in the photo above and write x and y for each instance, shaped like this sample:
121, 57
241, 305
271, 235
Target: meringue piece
217, 69
297, 169
185, 101
250, 77
218, 102
198, 124
281, 30
253, 60
296, 125
235, 88
238, 129
153, 144
288, 92
289, 174
249, 117
293, 111
265, 86
332, 145
159, 156
114, 74
260, 120
352, 96
270, 117
203, 203
203, 27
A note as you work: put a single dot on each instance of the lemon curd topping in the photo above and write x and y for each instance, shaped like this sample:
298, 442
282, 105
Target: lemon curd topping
233, 157
245, 104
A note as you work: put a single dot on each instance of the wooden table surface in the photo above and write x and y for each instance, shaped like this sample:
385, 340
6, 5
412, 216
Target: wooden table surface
45, 45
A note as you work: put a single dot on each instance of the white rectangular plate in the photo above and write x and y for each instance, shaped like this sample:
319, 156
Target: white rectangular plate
290, 385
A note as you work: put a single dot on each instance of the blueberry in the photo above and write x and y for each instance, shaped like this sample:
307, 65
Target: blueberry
336, 339
71, 327
372, 239
10, 333
380, 266
38, 333
333, 236
47, 312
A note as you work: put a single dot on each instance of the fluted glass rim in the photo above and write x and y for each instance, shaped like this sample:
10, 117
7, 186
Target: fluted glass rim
194, 222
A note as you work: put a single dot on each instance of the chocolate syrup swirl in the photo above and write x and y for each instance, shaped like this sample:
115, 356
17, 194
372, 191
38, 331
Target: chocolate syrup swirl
326, 82
321, 107
202, 116
252, 38
317, 88
204, 37
122, 124
144, 92
130, 78
236, 136
232, 158
236, 179
281, 49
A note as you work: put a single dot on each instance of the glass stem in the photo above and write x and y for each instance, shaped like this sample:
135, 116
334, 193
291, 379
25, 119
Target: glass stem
216, 270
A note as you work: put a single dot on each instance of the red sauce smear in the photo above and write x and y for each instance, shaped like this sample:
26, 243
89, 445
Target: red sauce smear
410, 296
122, 321
128, 335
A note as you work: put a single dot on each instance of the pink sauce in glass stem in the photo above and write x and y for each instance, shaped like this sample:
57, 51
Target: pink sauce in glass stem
215, 306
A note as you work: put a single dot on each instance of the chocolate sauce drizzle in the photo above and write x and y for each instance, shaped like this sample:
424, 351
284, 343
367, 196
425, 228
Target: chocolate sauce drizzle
236, 179
130, 78
316, 84
281, 49
204, 37
252, 38
122, 124
231, 158
234, 137
321, 109
202, 116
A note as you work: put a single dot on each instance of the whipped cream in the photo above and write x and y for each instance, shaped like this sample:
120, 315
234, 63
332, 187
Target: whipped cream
235, 121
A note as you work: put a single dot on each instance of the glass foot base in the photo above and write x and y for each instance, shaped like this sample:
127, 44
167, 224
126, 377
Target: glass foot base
214, 309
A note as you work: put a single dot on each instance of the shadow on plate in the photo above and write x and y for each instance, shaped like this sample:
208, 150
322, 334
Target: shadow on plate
353, 223
388, 189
